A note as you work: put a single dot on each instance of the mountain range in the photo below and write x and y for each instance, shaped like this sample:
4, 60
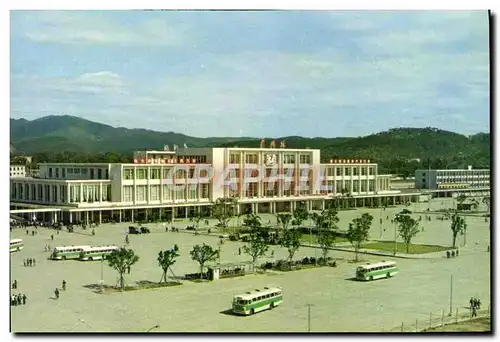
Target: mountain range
53, 134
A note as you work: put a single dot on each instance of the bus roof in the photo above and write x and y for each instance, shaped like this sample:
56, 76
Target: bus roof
65, 248
378, 264
252, 294
98, 248
16, 240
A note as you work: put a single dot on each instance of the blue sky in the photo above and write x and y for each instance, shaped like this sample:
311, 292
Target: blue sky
207, 73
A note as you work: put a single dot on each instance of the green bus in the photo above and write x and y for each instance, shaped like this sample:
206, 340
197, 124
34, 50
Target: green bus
96, 253
384, 269
16, 245
67, 252
251, 302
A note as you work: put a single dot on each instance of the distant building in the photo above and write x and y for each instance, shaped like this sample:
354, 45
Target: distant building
18, 170
475, 181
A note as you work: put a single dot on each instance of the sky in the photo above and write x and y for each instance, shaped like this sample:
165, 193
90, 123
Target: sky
249, 73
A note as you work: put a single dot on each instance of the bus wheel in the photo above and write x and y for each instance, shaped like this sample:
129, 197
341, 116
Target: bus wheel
388, 275
18, 249
272, 305
371, 278
64, 258
251, 312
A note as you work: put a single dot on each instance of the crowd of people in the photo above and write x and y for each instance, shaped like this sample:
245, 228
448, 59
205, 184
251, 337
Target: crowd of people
17, 299
475, 304
29, 262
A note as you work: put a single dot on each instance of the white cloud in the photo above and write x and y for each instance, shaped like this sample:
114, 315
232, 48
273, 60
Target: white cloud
67, 27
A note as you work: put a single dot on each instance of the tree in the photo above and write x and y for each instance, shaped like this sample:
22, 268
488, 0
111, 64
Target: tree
474, 203
203, 254
461, 199
166, 259
326, 225
358, 231
291, 241
486, 201
121, 260
458, 225
196, 220
223, 209
283, 220
300, 215
408, 229
257, 247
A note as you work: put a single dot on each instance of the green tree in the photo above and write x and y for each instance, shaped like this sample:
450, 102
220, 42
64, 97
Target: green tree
223, 209
121, 260
203, 254
408, 229
196, 219
326, 225
283, 220
300, 215
256, 247
291, 241
486, 201
474, 203
461, 199
166, 259
458, 226
359, 231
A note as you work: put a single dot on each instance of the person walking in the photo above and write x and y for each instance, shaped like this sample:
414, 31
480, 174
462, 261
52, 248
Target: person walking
64, 285
56, 292
128, 269
34, 262
239, 250
52, 237
14, 284
24, 262
24, 299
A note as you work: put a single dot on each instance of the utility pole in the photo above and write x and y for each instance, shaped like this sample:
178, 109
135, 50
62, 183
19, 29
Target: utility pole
395, 235
309, 317
102, 275
451, 294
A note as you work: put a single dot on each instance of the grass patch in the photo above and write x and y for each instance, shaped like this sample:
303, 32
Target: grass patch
388, 246
306, 238
476, 324
141, 285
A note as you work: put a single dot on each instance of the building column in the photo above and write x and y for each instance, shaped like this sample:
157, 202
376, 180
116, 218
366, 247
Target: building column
160, 211
70, 217
186, 209
323, 205
100, 216
86, 217
132, 215
100, 193
120, 216
256, 211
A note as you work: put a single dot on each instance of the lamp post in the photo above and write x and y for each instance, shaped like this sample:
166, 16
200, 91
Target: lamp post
309, 317
395, 234
102, 275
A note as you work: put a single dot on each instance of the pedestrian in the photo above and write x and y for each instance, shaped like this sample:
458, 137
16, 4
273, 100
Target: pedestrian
471, 302
58, 232
24, 262
479, 304
52, 237
29, 262
45, 248
24, 299
12, 300
64, 285
128, 269
56, 292
19, 299
14, 284
239, 250
27, 233
272, 253
34, 262
474, 312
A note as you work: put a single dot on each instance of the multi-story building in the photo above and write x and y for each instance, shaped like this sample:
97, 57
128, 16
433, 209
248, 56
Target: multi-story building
263, 180
18, 170
446, 182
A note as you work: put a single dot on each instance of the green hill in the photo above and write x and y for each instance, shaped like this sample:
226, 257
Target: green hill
398, 150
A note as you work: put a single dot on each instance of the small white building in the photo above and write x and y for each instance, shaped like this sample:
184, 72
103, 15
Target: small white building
18, 170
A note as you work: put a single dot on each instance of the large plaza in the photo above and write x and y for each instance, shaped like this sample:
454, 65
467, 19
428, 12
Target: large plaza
340, 304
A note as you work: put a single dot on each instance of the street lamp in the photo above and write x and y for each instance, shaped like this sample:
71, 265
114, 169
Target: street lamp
309, 317
102, 275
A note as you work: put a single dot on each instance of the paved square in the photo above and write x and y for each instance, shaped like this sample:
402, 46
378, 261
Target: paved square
422, 285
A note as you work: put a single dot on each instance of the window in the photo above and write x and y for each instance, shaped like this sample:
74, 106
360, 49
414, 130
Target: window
355, 186
50, 172
99, 173
180, 173
155, 192
128, 191
180, 192
155, 173
204, 191
192, 192
142, 193
338, 186
354, 171
289, 159
57, 172
370, 170
330, 171
167, 192
251, 159
106, 174
141, 173
363, 186
128, 174
168, 173
347, 171
363, 171
91, 173
305, 159
234, 158
63, 173
339, 171
371, 185
191, 172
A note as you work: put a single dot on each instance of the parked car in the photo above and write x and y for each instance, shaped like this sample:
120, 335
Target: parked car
134, 230
145, 230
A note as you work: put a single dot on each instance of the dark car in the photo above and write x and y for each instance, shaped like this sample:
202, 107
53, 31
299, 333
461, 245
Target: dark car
134, 230
145, 230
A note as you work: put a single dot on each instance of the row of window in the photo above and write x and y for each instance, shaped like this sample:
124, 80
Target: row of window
256, 299
168, 173
39, 192
169, 192
351, 170
76, 172
89, 193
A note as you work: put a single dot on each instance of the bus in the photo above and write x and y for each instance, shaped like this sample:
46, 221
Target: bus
16, 245
67, 252
96, 253
384, 269
251, 302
